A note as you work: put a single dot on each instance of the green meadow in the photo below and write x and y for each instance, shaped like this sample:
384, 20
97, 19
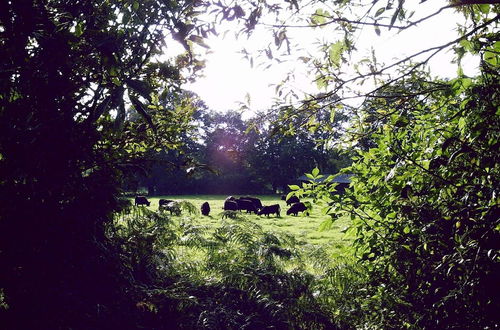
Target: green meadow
305, 229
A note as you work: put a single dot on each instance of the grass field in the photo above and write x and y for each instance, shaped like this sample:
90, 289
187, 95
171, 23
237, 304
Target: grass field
303, 228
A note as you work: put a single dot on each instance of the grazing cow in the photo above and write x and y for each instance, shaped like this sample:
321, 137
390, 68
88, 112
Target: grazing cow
255, 201
296, 208
141, 200
205, 208
275, 208
247, 205
163, 202
230, 205
173, 207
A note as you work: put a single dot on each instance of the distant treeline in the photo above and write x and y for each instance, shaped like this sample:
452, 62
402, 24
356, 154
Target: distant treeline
225, 154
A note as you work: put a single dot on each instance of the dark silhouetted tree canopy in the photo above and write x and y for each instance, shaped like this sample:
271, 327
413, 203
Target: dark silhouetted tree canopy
66, 71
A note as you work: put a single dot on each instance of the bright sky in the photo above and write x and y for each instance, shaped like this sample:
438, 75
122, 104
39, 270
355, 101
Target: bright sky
228, 77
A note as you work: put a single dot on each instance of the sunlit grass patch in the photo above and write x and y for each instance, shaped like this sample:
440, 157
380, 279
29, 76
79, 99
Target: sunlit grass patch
304, 228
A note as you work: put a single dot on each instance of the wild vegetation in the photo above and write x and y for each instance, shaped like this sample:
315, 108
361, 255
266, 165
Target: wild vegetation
86, 104
247, 271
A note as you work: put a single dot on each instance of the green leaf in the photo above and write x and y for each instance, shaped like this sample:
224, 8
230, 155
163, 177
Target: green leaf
79, 29
315, 172
426, 163
491, 58
462, 123
496, 46
293, 187
402, 121
319, 17
466, 82
406, 230
485, 9
321, 82
116, 81
380, 11
332, 115
140, 108
135, 6
335, 52
112, 71
466, 44
326, 225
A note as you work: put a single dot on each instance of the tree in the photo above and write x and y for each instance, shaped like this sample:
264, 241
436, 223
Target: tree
430, 249
68, 70
224, 147
279, 160
423, 197
338, 74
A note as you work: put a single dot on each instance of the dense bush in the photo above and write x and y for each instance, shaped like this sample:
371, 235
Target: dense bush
424, 205
65, 69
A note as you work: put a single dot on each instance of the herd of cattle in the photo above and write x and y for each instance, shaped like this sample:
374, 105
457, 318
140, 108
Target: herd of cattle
247, 204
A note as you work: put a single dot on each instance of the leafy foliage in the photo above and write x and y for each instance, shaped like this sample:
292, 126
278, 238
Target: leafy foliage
424, 196
234, 276
68, 69
424, 206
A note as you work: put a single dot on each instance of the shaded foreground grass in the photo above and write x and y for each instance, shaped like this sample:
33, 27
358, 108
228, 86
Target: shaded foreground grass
303, 228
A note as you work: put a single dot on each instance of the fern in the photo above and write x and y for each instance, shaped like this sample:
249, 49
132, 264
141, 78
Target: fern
233, 276
189, 207
229, 214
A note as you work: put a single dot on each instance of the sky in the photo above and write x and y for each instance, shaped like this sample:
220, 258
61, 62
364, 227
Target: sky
229, 78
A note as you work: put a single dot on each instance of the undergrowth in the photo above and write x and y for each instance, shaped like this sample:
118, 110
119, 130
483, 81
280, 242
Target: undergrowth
237, 276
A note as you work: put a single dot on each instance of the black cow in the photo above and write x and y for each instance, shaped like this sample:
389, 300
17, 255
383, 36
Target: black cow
291, 200
229, 198
163, 202
230, 205
255, 201
141, 200
174, 207
247, 205
270, 210
205, 208
296, 208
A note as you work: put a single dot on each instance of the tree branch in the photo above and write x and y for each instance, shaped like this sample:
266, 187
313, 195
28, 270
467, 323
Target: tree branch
434, 51
359, 22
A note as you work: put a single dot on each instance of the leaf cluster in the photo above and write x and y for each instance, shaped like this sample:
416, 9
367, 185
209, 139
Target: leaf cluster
423, 202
